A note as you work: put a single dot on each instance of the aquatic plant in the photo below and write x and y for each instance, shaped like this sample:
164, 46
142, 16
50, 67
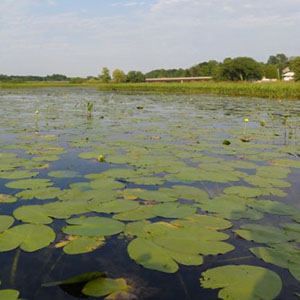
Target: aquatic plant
89, 110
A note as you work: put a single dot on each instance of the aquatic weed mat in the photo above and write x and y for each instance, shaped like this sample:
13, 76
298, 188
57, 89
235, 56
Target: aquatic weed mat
116, 196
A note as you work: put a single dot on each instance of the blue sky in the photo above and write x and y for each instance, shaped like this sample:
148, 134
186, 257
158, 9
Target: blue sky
79, 37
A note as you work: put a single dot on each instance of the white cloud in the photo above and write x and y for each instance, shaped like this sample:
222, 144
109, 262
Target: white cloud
172, 33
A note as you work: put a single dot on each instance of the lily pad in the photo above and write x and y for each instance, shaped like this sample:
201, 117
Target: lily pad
7, 198
81, 244
18, 174
104, 286
9, 294
116, 206
63, 174
5, 222
282, 255
93, 226
242, 282
262, 233
173, 210
28, 237
29, 184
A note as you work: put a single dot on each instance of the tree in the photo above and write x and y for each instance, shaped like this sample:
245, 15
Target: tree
135, 76
119, 76
295, 67
105, 76
270, 71
280, 61
209, 68
240, 68
277, 59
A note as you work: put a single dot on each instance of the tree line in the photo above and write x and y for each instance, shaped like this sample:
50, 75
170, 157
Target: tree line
231, 69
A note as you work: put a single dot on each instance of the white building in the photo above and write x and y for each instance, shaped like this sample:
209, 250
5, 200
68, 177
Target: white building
288, 75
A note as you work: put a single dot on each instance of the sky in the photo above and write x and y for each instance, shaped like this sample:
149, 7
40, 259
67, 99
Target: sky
79, 37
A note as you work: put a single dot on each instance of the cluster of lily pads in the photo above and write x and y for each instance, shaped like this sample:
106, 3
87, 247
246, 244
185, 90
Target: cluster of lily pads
165, 182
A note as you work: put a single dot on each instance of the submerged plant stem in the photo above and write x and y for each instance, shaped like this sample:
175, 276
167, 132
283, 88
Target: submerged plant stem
183, 286
14, 267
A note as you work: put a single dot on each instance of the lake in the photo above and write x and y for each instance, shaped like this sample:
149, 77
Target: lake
148, 196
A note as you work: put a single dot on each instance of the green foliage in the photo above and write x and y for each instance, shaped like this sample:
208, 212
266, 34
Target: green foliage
119, 76
105, 75
280, 61
135, 77
295, 66
240, 69
76, 80
270, 71
277, 90
209, 68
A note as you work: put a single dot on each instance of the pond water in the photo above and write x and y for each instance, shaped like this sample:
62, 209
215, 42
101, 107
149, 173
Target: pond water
171, 196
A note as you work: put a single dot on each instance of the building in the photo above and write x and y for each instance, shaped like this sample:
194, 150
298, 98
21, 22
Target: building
179, 79
288, 75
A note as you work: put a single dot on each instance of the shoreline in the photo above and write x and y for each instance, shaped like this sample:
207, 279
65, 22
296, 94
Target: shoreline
278, 90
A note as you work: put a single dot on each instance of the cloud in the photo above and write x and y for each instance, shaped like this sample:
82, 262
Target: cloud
163, 33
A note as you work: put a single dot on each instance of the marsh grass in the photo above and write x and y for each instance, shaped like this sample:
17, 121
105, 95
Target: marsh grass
278, 90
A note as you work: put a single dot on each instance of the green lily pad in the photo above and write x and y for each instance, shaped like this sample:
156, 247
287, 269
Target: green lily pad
29, 184
137, 229
41, 193
190, 193
28, 237
205, 221
141, 213
6, 222
106, 184
231, 207
93, 226
267, 181
82, 278
32, 214
104, 286
9, 294
18, 174
272, 207
242, 282
262, 233
151, 256
116, 206
160, 246
82, 244
282, 255
63, 174
173, 210
284, 162
7, 198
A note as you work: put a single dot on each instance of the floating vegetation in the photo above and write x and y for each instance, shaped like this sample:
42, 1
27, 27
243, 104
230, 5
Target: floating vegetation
152, 189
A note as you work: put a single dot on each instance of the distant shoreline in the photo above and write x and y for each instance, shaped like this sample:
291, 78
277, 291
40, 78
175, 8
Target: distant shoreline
276, 90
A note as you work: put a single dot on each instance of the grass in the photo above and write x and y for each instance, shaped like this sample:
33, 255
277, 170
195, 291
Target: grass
278, 90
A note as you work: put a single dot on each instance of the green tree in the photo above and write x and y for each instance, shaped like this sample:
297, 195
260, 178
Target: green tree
240, 68
270, 71
280, 60
135, 76
105, 75
209, 68
119, 76
295, 67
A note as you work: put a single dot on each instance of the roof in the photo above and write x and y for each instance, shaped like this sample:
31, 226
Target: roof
289, 74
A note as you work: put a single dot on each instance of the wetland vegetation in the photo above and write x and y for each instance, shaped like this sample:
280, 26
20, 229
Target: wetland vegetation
278, 90
118, 196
